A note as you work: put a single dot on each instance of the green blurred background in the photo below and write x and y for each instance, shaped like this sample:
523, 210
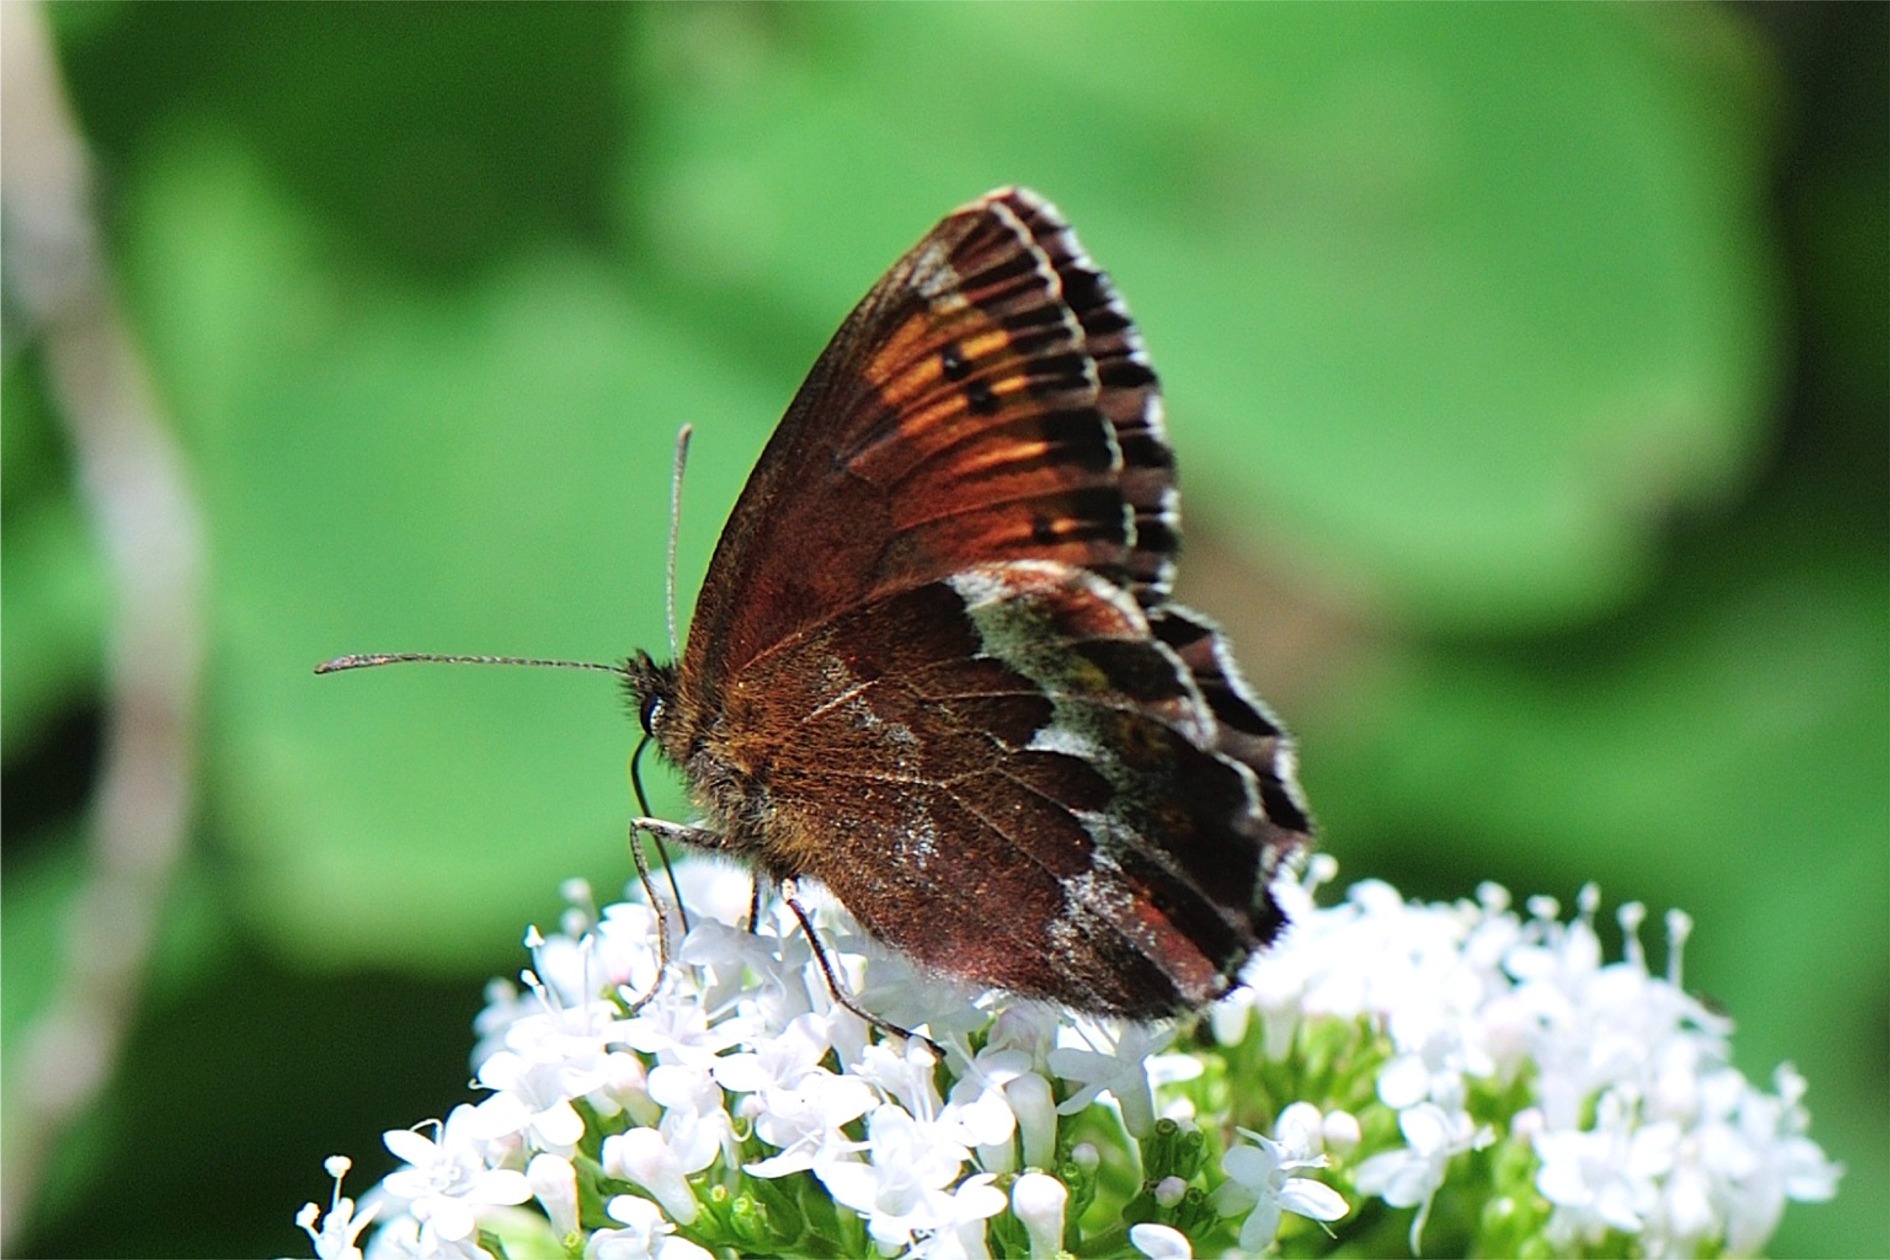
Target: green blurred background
1527, 368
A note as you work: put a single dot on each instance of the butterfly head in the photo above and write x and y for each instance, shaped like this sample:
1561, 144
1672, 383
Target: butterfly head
652, 689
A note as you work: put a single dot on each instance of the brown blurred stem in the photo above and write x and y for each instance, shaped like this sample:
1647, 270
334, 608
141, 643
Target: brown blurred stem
133, 487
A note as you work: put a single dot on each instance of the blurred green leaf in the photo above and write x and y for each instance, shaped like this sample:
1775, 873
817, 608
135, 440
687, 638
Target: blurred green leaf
385, 469
1598, 756
50, 583
419, 131
38, 901
55, 602
34, 901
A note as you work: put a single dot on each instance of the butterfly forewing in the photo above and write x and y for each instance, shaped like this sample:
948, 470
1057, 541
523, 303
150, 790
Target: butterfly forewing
960, 413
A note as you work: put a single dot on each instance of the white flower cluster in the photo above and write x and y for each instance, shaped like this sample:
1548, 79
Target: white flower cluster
1639, 1126
740, 1110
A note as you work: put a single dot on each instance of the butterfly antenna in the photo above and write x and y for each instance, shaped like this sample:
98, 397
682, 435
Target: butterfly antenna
675, 528
367, 660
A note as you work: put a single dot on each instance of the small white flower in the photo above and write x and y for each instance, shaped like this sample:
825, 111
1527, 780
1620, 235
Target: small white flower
644, 1157
1411, 1177
533, 1097
623, 1086
1033, 1101
958, 1221
1027, 1026
1432, 1069
803, 1123
1122, 1071
779, 1062
906, 1186
694, 1124
335, 1240
979, 1111
554, 1184
1160, 1242
446, 1182
1038, 1200
1260, 1180
674, 1028
1763, 1160
647, 1235
905, 1073
763, 972
1603, 1178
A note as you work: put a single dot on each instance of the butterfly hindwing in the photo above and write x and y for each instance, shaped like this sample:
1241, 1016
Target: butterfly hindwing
1005, 765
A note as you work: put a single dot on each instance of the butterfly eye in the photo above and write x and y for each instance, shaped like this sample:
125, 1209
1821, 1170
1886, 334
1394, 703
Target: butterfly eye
649, 712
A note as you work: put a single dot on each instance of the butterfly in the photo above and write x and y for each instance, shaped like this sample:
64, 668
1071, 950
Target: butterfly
935, 665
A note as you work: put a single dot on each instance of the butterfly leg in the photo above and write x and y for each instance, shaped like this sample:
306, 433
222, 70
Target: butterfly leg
840, 995
642, 860
679, 833
659, 831
754, 904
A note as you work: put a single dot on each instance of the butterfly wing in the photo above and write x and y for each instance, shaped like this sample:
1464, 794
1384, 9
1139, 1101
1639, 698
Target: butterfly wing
934, 664
987, 400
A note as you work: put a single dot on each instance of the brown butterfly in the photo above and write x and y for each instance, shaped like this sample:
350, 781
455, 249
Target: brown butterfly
935, 667
934, 664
